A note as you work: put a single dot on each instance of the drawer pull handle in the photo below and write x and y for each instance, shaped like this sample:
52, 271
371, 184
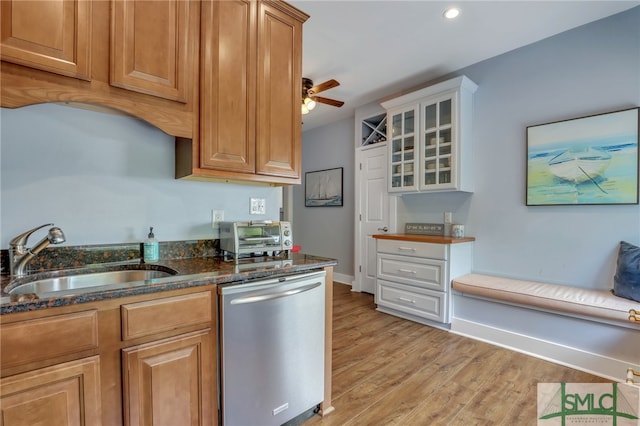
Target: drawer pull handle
406, 249
404, 299
407, 271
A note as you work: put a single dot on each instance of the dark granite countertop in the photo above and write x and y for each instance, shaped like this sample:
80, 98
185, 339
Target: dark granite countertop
191, 272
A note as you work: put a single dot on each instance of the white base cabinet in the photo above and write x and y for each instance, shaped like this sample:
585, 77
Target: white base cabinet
414, 278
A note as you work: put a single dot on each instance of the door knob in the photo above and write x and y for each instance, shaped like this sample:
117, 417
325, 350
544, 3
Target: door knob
385, 229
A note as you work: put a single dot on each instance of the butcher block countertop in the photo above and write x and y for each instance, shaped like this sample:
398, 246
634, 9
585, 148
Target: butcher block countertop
424, 238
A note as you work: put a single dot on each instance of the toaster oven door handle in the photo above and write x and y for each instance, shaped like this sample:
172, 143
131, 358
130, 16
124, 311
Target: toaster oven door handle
261, 222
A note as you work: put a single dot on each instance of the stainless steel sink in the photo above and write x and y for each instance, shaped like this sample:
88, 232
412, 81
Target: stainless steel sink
84, 281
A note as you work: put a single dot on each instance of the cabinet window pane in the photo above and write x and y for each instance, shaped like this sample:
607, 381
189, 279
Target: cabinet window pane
445, 112
408, 143
396, 127
408, 122
430, 116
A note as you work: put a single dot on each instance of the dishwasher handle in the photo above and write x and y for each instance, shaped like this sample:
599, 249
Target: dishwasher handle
271, 296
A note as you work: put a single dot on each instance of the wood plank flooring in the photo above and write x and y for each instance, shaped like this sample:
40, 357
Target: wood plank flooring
390, 371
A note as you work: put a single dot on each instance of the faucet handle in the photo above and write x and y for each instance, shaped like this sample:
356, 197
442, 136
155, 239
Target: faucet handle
21, 240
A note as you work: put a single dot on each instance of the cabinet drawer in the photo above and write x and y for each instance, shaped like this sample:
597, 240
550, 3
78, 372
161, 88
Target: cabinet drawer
412, 248
424, 303
424, 273
155, 316
50, 337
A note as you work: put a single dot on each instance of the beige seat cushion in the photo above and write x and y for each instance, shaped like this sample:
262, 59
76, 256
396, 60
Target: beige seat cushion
593, 303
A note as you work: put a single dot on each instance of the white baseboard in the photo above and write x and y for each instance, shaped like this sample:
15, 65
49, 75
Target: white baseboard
599, 365
343, 278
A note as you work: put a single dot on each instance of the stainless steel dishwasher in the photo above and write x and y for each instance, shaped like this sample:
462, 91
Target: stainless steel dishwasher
272, 349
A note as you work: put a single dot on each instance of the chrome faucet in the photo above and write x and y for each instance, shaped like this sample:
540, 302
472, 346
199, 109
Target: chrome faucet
20, 255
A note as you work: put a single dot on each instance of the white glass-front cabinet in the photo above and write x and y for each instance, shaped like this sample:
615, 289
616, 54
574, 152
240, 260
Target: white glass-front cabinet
430, 134
403, 149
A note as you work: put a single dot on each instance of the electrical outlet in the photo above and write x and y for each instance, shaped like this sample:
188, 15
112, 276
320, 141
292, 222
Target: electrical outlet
448, 217
216, 216
258, 206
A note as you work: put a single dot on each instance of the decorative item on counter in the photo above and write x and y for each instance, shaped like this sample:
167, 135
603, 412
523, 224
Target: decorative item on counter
448, 219
457, 230
424, 229
150, 248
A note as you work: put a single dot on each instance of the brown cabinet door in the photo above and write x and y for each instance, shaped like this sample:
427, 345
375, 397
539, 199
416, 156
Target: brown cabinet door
170, 382
151, 46
62, 395
227, 115
279, 90
52, 35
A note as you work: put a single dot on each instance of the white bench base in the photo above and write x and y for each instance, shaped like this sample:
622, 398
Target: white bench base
600, 342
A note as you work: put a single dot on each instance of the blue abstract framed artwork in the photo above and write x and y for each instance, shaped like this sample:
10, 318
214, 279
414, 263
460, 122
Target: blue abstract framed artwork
586, 160
323, 188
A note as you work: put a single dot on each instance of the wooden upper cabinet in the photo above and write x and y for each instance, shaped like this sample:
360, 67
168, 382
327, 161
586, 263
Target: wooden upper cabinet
251, 87
279, 125
150, 46
51, 35
228, 69
140, 57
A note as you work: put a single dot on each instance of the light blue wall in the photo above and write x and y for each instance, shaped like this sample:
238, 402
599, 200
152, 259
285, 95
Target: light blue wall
327, 231
588, 70
106, 178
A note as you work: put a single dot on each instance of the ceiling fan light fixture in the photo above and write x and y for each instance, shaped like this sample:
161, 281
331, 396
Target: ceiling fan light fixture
309, 103
305, 110
451, 13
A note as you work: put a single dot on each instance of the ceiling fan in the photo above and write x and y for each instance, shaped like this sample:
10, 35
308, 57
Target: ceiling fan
310, 98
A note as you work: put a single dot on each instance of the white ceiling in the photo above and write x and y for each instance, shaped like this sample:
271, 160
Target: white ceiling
378, 48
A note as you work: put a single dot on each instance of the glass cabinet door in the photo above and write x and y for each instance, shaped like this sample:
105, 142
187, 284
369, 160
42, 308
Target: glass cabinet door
438, 162
403, 150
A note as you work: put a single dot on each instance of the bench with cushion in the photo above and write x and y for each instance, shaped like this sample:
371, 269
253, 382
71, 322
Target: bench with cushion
599, 305
590, 330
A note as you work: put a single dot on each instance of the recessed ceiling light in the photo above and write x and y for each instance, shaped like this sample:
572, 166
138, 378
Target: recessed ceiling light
451, 13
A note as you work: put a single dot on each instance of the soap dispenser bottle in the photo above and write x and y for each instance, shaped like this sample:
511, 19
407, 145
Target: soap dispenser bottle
150, 248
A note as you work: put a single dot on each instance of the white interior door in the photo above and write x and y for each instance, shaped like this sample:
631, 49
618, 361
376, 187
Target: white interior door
373, 215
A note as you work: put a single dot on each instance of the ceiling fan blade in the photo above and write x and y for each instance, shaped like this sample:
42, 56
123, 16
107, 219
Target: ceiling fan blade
328, 101
330, 84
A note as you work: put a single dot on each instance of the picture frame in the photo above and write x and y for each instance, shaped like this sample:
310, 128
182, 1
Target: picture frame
323, 188
584, 161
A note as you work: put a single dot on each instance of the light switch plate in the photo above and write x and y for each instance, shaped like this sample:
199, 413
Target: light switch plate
258, 206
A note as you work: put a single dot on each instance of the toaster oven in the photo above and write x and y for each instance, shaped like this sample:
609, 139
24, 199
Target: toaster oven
255, 237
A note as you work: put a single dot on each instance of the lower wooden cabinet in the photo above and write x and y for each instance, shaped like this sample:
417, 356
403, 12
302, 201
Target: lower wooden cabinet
169, 382
141, 360
66, 394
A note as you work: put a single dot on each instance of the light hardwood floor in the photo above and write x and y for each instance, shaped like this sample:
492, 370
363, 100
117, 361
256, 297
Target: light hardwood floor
390, 371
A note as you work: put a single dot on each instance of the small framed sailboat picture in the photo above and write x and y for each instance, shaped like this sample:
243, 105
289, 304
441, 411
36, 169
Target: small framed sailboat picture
586, 160
323, 188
